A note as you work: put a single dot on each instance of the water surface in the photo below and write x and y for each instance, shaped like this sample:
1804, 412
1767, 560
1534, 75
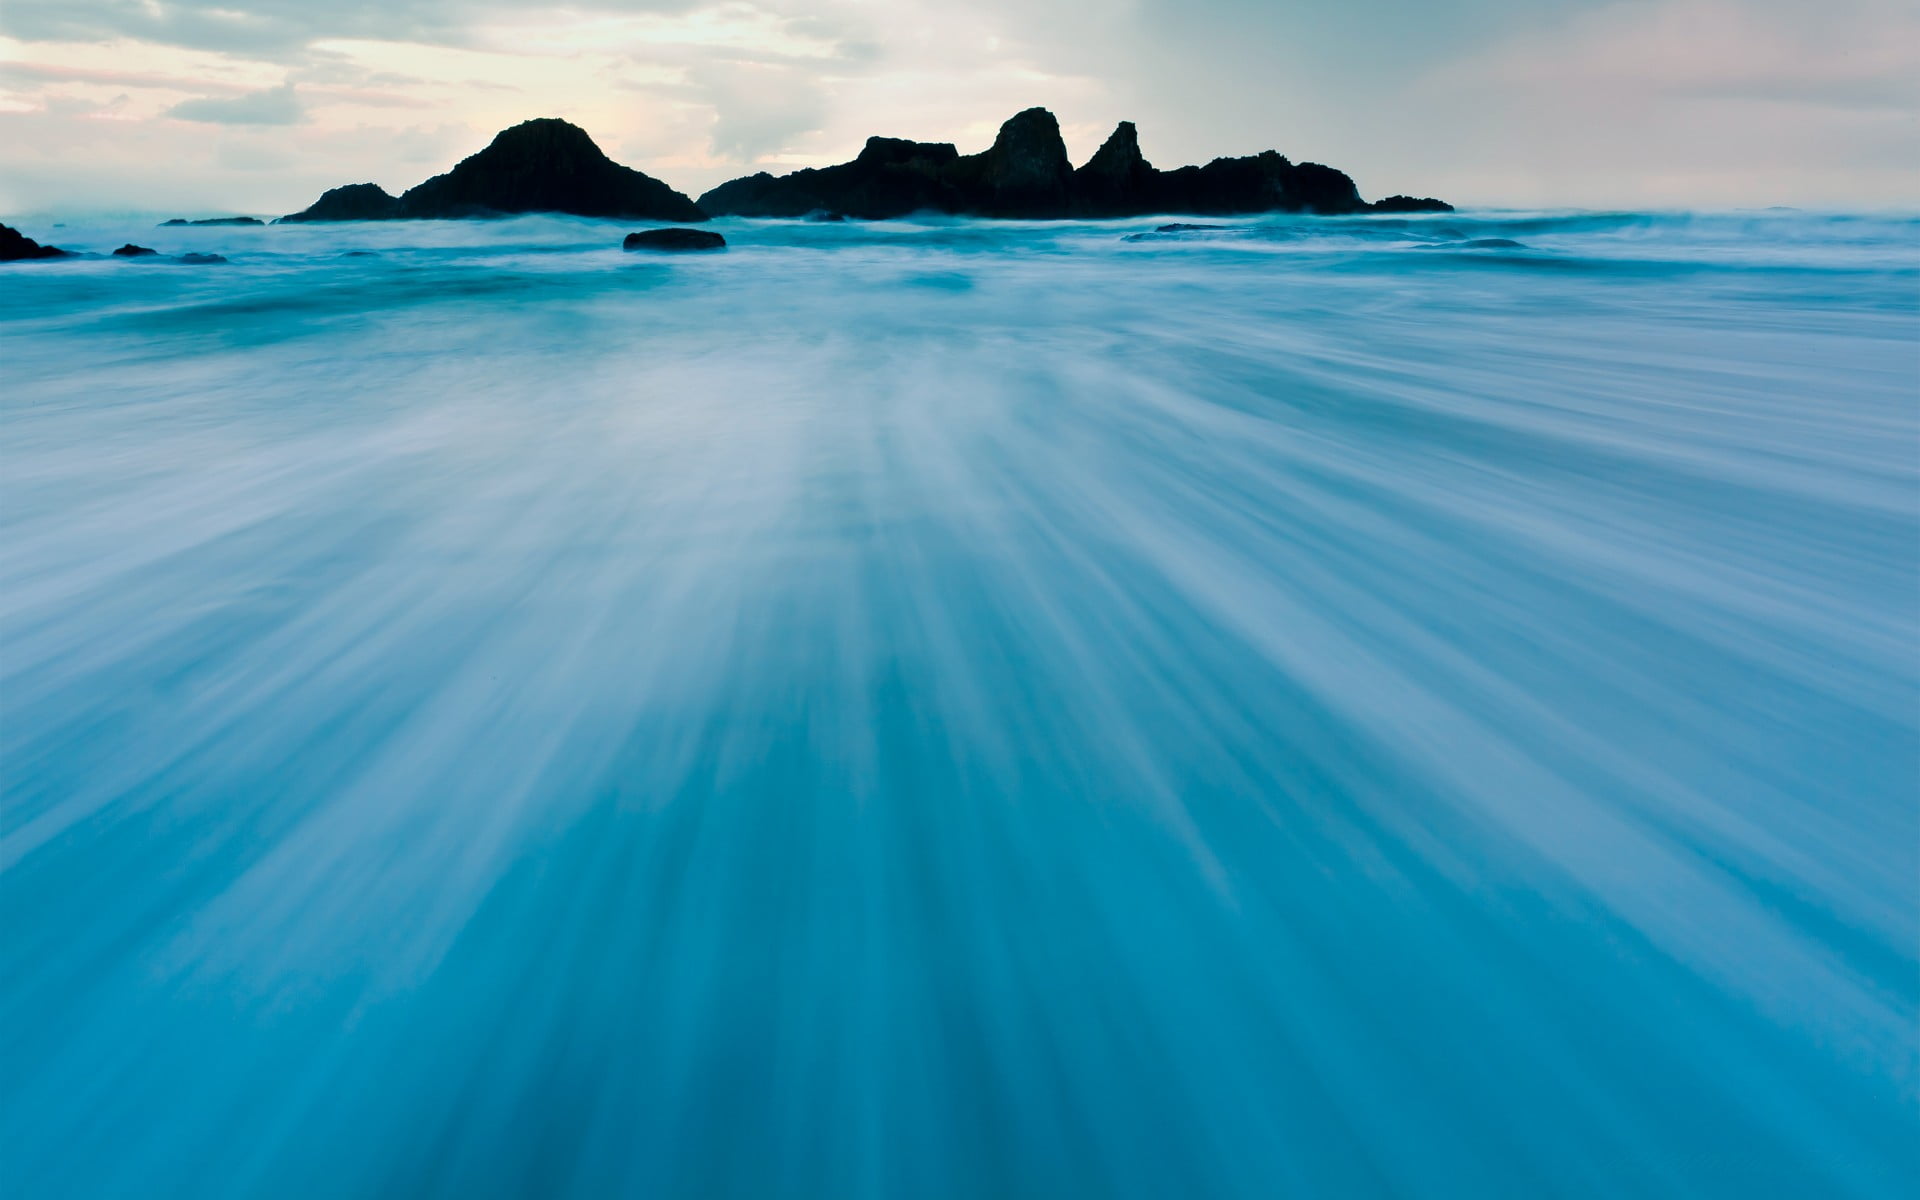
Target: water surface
1308, 708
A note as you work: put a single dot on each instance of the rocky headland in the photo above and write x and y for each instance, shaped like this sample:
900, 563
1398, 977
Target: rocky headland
551, 166
1026, 174
540, 166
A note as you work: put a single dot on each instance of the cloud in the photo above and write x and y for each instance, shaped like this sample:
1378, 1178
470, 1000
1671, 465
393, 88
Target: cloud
275, 27
1841, 53
33, 74
1512, 102
759, 107
275, 106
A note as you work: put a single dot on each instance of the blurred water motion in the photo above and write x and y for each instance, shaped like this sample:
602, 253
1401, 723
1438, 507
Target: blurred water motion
948, 710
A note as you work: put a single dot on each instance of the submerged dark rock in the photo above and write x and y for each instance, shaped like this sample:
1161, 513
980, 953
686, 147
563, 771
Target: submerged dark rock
1476, 244
354, 202
132, 251
546, 165
1410, 204
1026, 173
1177, 229
674, 240
213, 221
201, 260
18, 247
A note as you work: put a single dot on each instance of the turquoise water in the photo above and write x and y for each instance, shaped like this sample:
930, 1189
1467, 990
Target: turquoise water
957, 710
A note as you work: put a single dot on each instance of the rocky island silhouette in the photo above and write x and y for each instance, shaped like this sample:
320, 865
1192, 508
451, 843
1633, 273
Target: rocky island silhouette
551, 165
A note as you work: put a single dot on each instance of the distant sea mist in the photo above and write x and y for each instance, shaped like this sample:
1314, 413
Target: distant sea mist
1281, 707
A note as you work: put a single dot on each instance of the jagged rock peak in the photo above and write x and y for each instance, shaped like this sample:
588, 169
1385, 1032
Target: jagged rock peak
1029, 144
1119, 154
1026, 174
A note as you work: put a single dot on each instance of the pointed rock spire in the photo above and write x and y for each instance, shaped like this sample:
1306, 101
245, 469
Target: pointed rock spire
1117, 180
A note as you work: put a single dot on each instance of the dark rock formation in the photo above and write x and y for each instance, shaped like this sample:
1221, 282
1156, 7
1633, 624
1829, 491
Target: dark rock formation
18, 247
201, 260
1026, 173
354, 202
213, 221
546, 166
1117, 181
1476, 244
1410, 204
1264, 182
674, 240
890, 178
132, 251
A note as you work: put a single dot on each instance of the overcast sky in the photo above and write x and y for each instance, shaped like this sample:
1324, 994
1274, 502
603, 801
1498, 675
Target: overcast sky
203, 106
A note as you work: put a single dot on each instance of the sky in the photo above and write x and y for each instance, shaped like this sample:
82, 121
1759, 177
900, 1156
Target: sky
256, 106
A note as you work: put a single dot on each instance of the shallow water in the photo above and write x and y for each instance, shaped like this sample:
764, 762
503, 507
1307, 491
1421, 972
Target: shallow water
1309, 708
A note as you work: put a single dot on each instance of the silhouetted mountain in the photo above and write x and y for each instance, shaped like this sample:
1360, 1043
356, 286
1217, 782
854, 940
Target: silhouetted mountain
1026, 173
546, 165
354, 202
18, 247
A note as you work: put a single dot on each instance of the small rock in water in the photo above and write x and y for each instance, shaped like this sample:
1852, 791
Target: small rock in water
16, 246
1175, 229
674, 240
1410, 204
201, 260
132, 251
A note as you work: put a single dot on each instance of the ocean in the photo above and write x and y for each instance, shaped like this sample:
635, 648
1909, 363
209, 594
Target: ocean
1312, 707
